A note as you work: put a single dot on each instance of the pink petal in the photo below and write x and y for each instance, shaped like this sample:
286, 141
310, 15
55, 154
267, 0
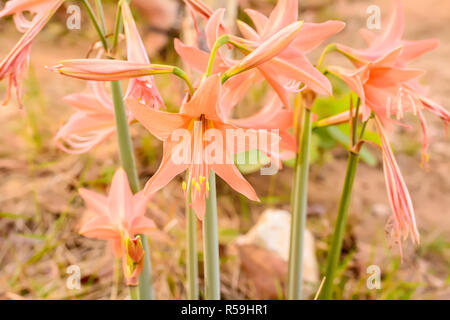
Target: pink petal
160, 124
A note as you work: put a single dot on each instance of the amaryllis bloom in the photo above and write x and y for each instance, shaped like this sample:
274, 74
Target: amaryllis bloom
142, 88
290, 68
202, 127
120, 218
379, 85
108, 69
239, 83
93, 122
15, 64
387, 41
35, 7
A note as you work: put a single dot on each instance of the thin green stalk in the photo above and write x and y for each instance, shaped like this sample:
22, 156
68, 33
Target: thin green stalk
97, 27
211, 243
129, 165
118, 25
101, 15
223, 39
192, 260
134, 293
339, 229
330, 48
299, 209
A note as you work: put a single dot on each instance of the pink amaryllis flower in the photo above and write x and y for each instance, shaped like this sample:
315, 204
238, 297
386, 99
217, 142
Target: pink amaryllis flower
202, 127
379, 85
142, 88
387, 41
35, 7
284, 71
15, 64
93, 122
120, 218
239, 83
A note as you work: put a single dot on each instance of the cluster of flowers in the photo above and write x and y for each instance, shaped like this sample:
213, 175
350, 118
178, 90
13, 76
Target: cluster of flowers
273, 51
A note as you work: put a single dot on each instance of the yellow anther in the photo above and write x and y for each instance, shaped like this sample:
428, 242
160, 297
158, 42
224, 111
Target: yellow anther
193, 181
207, 185
184, 186
197, 186
201, 179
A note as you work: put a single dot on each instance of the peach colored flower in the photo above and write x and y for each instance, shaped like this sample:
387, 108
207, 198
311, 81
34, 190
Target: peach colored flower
120, 217
15, 64
198, 116
91, 124
384, 43
142, 88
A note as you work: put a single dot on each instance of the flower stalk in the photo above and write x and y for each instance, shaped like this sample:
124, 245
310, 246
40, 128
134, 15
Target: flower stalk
339, 229
211, 244
299, 208
344, 204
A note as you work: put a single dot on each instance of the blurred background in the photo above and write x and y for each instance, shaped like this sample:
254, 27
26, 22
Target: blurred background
40, 209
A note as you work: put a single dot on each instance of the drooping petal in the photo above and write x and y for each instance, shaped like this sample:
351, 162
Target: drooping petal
231, 175
100, 227
160, 124
167, 170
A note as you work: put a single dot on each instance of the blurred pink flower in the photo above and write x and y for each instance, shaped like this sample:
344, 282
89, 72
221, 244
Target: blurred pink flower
387, 41
35, 7
119, 217
93, 122
201, 114
398, 194
15, 64
142, 88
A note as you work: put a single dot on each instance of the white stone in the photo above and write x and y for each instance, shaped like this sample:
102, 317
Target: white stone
272, 232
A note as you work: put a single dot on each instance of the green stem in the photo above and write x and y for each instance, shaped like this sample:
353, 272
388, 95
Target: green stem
223, 39
134, 293
299, 209
339, 229
129, 165
101, 15
192, 261
96, 24
330, 48
211, 244
118, 25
